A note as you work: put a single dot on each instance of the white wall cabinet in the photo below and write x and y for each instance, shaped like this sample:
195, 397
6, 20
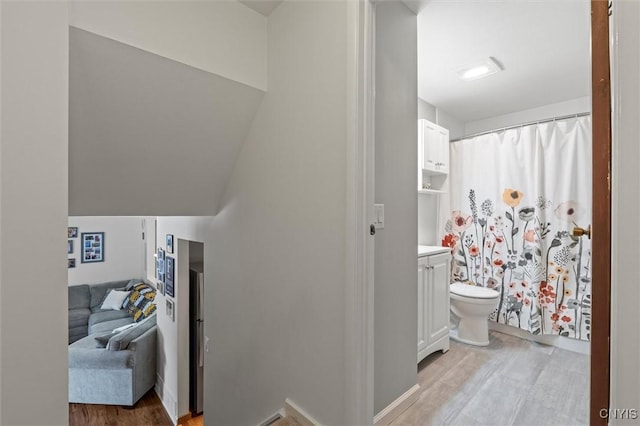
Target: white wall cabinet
433, 304
435, 142
433, 158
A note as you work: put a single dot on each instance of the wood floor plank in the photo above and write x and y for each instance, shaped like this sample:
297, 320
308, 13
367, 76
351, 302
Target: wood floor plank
147, 412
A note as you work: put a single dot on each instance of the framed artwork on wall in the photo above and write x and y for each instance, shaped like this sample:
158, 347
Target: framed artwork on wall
169, 243
69, 246
92, 247
160, 287
72, 232
169, 283
170, 310
71, 263
160, 265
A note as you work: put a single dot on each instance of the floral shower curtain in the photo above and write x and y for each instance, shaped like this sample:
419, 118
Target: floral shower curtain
516, 196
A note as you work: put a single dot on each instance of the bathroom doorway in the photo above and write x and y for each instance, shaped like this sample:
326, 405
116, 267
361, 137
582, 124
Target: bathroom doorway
600, 110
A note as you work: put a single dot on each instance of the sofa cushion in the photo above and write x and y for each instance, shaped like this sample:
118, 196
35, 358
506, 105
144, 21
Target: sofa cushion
121, 340
99, 292
79, 317
110, 325
79, 297
104, 316
77, 333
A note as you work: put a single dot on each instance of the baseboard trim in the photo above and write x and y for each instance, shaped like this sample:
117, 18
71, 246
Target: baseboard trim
397, 407
164, 409
184, 418
163, 394
273, 418
298, 414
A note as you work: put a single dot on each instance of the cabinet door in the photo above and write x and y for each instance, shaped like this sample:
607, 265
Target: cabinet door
438, 296
422, 335
442, 162
431, 146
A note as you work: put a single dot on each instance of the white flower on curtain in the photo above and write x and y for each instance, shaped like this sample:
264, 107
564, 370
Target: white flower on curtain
515, 239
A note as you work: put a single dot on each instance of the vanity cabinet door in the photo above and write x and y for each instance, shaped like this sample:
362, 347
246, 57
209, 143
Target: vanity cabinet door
438, 307
433, 304
422, 330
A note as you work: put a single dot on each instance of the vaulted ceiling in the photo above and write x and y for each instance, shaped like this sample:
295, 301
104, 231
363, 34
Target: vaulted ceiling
149, 135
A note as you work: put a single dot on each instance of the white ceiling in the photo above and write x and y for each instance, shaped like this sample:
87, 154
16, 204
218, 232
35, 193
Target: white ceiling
543, 45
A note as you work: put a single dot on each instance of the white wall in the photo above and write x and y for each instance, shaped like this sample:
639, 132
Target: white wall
33, 213
221, 37
396, 150
573, 106
455, 126
276, 274
625, 297
173, 336
124, 249
426, 110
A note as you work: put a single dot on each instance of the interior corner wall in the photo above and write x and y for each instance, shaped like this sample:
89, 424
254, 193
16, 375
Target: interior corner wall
173, 333
396, 148
625, 181
34, 57
275, 314
124, 249
426, 110
222, 37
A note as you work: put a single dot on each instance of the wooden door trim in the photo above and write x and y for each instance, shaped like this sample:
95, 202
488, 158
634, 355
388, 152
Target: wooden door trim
601, 236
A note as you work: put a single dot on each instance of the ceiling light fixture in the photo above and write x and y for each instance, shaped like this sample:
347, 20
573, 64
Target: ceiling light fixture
479, 69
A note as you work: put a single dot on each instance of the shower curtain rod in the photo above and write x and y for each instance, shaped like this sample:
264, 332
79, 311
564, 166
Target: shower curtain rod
502, 129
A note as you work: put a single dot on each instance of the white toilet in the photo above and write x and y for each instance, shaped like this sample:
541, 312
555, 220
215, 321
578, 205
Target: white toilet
472, 305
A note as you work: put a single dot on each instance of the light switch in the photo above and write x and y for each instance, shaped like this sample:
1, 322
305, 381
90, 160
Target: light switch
206, 344
378, 212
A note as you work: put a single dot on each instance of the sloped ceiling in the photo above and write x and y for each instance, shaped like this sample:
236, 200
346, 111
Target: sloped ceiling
264, 7
543, 45
148, 135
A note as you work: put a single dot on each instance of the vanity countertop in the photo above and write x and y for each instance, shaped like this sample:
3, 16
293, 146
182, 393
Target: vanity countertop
427, 250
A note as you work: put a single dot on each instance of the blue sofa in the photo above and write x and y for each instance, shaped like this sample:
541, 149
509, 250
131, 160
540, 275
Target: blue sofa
107, 367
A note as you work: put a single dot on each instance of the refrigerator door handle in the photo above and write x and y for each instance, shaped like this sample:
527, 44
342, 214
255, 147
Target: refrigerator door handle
200, 343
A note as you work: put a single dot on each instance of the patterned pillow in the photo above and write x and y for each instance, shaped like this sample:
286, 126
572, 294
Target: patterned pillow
139, 303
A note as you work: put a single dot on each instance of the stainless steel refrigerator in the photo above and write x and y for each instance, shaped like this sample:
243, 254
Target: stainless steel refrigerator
196, 338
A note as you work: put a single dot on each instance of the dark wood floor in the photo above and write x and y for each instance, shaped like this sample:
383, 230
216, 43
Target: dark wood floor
147, 412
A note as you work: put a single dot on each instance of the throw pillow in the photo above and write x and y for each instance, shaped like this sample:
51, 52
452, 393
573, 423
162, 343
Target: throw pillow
139, 303
114, 300
103, 338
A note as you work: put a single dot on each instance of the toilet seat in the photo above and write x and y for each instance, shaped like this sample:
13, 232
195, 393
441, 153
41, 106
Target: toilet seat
472, 291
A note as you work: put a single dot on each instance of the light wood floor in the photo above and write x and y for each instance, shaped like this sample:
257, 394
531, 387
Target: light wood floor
147, 412
510, 382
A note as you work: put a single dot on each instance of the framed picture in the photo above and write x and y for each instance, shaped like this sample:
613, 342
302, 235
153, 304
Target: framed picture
170, 310
71, 263
168, 284
160, 265
69, 246
92, 247
72, 232
169, 243
160, 287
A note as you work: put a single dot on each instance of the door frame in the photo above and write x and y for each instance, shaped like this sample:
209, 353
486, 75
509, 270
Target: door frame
601, 213
359, 243
360, 199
